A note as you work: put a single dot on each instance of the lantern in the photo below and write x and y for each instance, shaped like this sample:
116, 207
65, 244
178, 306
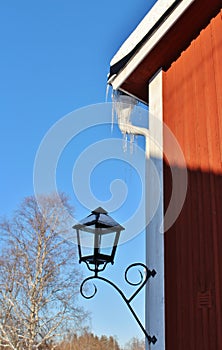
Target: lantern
97, 236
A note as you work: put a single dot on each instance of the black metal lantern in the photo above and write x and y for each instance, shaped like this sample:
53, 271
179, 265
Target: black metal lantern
97, 235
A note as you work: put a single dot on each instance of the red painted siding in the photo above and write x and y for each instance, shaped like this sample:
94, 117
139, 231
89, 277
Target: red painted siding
192, 100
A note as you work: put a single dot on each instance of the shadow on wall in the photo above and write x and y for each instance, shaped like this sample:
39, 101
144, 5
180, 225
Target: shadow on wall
193, 265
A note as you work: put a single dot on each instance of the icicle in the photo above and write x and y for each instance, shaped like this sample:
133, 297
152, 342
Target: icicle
113, 110
107, 92
132, 137
123, 106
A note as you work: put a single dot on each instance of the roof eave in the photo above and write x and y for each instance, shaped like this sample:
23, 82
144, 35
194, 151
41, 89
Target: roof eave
117, 80
164, 45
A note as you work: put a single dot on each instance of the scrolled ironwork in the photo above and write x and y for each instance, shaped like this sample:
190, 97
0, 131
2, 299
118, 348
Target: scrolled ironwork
141, 274
82, 288
143, 280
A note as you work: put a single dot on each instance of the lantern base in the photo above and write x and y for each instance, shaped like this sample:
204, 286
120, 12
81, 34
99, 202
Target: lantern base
99, 261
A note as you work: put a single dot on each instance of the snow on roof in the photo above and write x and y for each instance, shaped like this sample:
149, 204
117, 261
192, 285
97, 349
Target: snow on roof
152, 17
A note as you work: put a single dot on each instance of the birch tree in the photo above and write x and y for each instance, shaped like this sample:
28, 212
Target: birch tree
39, 278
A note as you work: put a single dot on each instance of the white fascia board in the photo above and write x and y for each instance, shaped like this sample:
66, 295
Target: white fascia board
117, 80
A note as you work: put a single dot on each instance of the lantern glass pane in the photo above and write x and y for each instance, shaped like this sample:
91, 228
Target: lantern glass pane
107, 243
87, 243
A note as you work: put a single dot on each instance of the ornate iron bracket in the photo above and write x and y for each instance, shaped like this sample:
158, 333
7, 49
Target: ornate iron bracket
143, 280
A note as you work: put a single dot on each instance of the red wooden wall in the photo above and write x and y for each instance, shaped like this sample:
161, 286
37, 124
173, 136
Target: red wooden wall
192, 95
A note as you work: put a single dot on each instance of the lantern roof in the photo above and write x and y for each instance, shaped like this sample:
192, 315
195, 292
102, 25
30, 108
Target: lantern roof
99, 218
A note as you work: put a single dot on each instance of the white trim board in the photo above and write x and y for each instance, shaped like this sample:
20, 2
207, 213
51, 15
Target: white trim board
155, 304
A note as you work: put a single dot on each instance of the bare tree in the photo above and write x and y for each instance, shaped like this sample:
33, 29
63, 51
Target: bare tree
89, 341
39, 278
135, 344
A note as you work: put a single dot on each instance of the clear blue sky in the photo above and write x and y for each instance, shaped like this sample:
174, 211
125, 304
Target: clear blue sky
55, 58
